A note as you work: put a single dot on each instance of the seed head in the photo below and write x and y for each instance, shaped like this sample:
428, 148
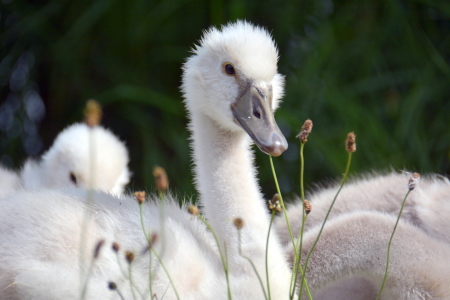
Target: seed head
92, 113
274, 203
413, 181
193, 210
97, 248
112, 285
129, 256
351, 143
238, 223
306, 130
161, 179
153, 240
115, 247
140, 196
308, 206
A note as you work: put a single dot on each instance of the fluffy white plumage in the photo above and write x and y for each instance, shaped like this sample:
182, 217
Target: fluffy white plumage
427, 208
9, 181
40, 232
40, 246
355, 244
224, 170
68, 162
252, 52
43, 243
428, 205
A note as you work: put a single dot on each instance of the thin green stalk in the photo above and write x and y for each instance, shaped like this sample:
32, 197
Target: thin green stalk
281, 201
389, 246
165, 270
150, 277
325, 220
292, 288
267, 253
150, 253
252, 264
162, 225
131, 281
119, 293
302, 171
89, 200
304, 217
224, 262
298, 268
120, 265
162, 297
142, 223
84, 290
289, 228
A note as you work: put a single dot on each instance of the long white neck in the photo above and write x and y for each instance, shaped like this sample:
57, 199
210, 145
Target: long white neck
225, 178
226, 181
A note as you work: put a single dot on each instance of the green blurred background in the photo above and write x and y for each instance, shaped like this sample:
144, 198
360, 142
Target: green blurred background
379, 68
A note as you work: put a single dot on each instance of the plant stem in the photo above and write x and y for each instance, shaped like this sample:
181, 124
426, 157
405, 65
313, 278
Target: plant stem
224, 262
252, 264
87, 214
120, 294
120, 265
142, 222
167, 272
267, 253
298, 268
84, 290
157, 256
325, 220
289, 228
389, 246
302, 170
281, 201
150, 252
304, 216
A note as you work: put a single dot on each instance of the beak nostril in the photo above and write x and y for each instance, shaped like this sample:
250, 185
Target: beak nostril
257, 113
257, 110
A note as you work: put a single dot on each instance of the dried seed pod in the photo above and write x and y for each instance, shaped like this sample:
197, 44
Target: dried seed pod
140, 196
351, 143
115, 247
129, 256
306, 130
413, 181
112, 285
161, 179
93, 113
238, 223
153, 240
98, 247
193, 210
308, 206
274, 203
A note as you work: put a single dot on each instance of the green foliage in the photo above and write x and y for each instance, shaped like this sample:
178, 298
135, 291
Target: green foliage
379, 68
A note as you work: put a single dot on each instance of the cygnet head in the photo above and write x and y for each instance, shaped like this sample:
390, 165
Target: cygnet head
232, 78
68, 162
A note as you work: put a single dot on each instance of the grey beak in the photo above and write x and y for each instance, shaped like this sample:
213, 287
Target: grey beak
254, 113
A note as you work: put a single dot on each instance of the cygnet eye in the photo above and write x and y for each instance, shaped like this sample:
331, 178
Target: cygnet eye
229, 69
73, 178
